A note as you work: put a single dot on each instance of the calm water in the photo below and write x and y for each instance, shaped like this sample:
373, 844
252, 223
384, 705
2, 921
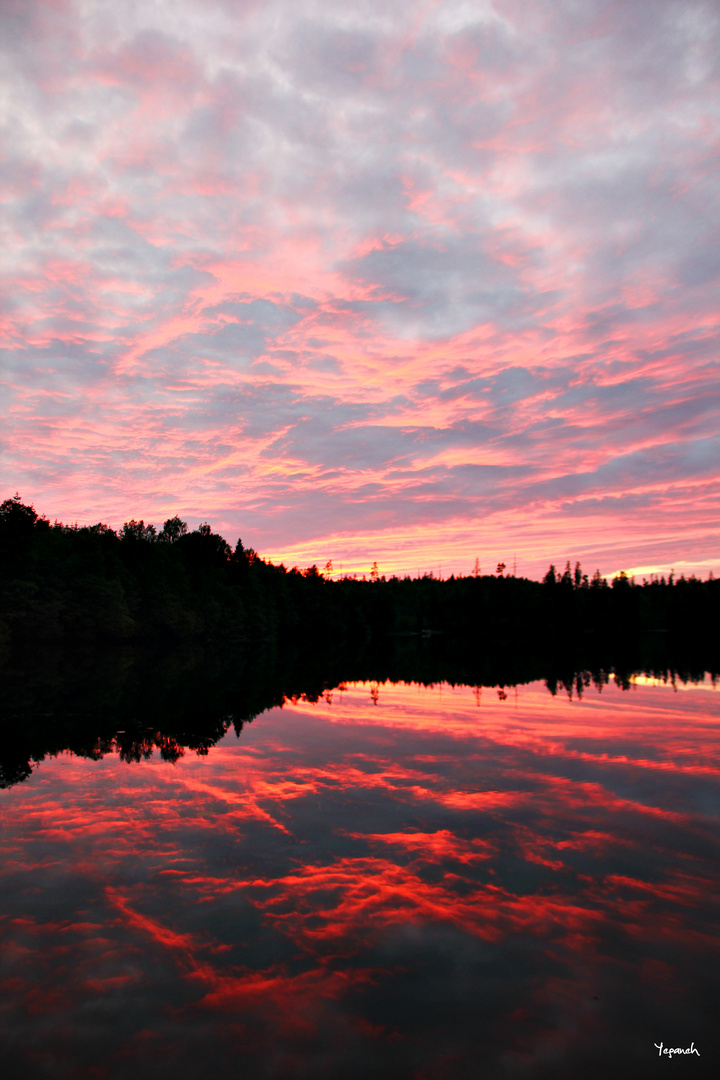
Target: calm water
395, 881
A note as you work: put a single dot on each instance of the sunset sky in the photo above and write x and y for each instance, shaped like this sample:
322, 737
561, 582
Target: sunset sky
415, 282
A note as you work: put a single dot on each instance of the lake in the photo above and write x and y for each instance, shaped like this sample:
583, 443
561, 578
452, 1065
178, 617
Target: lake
393, 880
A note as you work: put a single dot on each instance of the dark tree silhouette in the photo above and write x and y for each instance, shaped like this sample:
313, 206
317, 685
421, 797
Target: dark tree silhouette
172, 530
61, 581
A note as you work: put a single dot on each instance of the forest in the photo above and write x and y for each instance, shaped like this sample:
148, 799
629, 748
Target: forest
61, 583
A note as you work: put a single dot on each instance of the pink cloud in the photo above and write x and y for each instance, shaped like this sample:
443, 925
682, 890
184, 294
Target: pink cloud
476, 254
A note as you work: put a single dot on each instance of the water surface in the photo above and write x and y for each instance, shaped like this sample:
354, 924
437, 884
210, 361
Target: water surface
393, 881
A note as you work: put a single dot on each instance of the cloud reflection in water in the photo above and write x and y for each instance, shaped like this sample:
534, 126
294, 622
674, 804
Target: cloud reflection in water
394, 880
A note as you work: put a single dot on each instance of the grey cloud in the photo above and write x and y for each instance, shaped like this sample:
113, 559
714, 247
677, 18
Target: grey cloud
662, 464
485, 45
258, 409
59, 366
15, 23
506, 388
437, 289
260, 312
327, 364
702, 267
321, 440
237, 343
329, 58
364, 191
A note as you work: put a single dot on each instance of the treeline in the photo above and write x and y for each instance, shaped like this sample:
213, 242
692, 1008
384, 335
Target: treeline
59, 582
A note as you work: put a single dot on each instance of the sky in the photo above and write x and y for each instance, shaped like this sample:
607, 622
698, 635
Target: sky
415, 282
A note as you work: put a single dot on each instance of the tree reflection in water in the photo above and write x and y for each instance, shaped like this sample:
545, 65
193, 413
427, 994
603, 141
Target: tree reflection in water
379, 878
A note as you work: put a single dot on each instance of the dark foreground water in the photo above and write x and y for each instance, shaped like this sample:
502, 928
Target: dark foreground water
394, 881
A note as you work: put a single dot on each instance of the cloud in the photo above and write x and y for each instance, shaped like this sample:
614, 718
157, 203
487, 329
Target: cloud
310, 270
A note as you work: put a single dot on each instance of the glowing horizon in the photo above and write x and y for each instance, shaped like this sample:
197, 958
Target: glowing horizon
414, 285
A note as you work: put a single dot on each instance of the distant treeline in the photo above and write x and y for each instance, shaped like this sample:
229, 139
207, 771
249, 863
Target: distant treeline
60, 582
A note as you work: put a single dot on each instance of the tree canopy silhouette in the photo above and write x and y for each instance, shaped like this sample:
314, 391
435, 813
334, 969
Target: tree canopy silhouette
62, 581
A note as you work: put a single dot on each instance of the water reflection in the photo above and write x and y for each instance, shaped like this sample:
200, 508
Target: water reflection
388, 880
